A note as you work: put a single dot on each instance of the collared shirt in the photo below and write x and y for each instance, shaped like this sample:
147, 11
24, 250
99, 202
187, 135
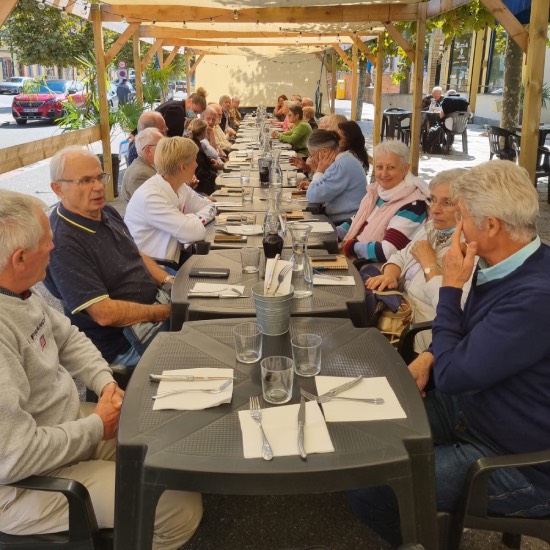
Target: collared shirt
502, 269
22, 296
94, 260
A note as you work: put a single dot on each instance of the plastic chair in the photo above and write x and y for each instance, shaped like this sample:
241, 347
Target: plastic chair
83, 533
456, 124
543, 166
503, 143
394, 125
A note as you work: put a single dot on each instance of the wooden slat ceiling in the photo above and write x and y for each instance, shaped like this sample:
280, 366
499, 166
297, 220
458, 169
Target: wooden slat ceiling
255, 27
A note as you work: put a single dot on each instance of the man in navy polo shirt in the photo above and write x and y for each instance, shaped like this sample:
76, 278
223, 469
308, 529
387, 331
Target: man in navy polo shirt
107, 287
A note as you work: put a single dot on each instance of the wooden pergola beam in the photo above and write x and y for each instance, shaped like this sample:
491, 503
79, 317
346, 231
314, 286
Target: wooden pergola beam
188, 71
400, 40
243, 44
378, 91
507, 19
354, 81
437, 7
154, 49
5, 9
153, 31
120, 41
306, 15
137, 66
171, 56
343, 55
193, 67
319, 56
361, 45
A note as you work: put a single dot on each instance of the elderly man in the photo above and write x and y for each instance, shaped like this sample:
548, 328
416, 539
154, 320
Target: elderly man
490, 364
307, 102
436, 96
45, 430
109, 291
221, 138
148, 119
235, 113
143, 168
226, 121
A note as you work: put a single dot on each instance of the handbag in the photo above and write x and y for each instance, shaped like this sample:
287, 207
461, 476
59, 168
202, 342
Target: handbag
393, 323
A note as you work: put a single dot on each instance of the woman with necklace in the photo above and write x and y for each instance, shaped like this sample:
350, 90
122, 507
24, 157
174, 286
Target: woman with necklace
415, 270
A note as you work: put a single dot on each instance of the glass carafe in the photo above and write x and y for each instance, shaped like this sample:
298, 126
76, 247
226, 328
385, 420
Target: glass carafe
276, 175
302, 271
273, 214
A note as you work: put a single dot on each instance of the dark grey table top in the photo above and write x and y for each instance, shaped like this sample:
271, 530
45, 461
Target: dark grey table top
316, 240
202, 450
326, 300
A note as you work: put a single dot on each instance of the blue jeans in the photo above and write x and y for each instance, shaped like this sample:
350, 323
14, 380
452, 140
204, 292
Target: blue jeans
457, 446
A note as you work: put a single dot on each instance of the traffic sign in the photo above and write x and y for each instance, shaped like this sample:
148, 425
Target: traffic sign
121, 64
123, 73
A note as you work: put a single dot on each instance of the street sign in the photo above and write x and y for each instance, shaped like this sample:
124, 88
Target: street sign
121, 64
123, 73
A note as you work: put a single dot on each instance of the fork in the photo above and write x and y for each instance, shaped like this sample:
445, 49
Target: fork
174, 392
256, 414
227, 288
327, 398
281, 277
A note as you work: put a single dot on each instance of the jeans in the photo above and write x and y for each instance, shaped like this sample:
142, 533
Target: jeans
457, 446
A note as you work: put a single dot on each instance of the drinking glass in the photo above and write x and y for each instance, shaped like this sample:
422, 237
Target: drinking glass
250, 259
306, 352
277, 379
248, 342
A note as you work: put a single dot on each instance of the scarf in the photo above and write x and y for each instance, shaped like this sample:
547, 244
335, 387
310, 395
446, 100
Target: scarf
409, 190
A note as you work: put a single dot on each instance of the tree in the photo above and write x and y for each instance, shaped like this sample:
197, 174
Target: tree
47, 36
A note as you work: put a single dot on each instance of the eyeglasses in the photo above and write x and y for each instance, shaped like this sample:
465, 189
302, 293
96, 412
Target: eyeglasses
444, 203
151, 145
103, 178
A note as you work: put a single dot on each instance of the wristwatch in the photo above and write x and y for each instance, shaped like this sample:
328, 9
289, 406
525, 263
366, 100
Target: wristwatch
168, 279
428, 270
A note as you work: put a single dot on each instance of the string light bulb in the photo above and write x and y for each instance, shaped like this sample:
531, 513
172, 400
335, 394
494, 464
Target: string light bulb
184, 24
212, 22
123, 19
257, 23
42, 5
64, 12
235, 15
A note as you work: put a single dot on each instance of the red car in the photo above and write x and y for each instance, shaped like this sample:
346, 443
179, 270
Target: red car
47, 102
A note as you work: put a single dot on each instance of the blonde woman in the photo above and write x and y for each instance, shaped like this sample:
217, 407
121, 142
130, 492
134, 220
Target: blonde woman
165, 215
205, 171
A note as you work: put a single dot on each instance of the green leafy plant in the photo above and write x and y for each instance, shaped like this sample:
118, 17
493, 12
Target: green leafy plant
544, 95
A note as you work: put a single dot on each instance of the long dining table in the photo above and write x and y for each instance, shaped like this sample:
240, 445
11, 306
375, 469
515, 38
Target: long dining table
202, 450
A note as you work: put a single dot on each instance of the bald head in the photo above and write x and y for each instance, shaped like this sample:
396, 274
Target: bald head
152, 119
307, 102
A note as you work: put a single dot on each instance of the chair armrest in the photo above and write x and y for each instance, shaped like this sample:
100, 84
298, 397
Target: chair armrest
405, 346
201, 248
481, 470
166, 263
82, 519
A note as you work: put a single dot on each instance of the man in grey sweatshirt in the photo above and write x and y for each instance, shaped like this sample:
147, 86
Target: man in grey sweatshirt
44, 428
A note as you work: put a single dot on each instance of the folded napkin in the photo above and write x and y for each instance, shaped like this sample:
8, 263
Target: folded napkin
333, 280
320, 227
352, 411
281, 428
228, 203
284, 287
245, 229
221, 289
194, 401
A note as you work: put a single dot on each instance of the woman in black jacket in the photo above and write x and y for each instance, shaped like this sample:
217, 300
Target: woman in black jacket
205, 172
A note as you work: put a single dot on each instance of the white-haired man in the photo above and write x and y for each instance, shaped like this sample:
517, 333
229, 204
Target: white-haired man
108, 289
226, 121
221, 138
144, 167
45, 430
490, 362
148, 119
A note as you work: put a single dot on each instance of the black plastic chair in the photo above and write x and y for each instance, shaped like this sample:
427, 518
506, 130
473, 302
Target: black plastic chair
394, 125
503, 144
83, 533
456, 124
543, 166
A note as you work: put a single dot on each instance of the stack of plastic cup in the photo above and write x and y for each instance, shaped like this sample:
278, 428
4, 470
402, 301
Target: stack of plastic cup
272, 310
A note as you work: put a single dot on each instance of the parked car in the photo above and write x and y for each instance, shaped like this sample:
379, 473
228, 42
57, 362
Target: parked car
14, 84
46, 103
181, 86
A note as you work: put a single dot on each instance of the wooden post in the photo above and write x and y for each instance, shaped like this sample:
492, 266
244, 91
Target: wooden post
475, 68
137, 67
188, 71
5, 9
334, 83
102, 96
417, 93
533, 85
354, 81
378, 91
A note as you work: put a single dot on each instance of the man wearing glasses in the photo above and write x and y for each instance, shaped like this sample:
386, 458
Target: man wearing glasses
108, 289
143, 167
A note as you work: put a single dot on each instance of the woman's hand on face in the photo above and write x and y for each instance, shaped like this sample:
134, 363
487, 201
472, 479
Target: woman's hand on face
423, 253
324, 159
381, 282
304, 184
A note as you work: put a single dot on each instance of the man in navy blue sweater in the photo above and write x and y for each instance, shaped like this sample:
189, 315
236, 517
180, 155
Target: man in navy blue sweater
490, 362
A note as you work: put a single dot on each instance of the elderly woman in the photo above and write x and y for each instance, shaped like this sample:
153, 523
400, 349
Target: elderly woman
278, 109
339, 180
309, 116
392, 210
416, 269
330, 122
165, 215
206, 171
353, 140
297, 137
284, 122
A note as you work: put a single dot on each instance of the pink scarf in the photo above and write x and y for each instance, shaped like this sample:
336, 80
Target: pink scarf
414, 189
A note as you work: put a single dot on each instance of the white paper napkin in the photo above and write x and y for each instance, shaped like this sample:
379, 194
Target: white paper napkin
343, 411
281, 428
217, 288
245, 229
284, 287
320, 227
333, 280
228, 203
194, 401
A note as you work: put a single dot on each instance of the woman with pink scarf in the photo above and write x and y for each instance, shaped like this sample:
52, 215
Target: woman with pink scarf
392, 210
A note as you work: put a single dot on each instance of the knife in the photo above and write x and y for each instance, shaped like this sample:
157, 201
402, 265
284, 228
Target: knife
272, 272
186, 377
301, 425
343, 387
